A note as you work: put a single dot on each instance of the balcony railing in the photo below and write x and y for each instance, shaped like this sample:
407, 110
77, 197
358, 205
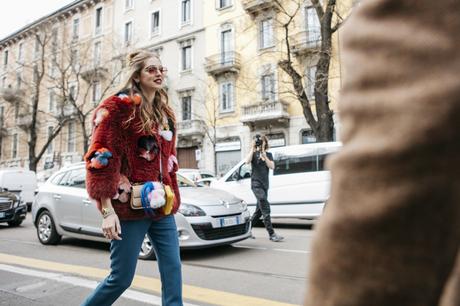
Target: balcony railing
94, 73
191, 128
306, 41
24, 121
223, 62
253, 7
12, 95
264, 111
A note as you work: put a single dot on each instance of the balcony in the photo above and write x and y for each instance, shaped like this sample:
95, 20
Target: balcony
24, 121
12, 95
190, 128
93, 73
69, 111
254, 7
306, 42
225, 62
265, 112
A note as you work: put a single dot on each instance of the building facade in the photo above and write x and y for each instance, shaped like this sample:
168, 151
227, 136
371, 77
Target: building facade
223, 78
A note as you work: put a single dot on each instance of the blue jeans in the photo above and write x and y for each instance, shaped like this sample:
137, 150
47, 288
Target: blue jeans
123, 256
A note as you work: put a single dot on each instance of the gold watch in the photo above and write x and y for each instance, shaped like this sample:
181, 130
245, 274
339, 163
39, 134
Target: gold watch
107, 212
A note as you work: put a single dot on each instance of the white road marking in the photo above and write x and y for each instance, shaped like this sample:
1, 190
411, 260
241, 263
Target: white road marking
86, 283
278, 250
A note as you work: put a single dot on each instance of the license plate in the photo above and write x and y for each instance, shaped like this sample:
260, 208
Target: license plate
229, 221
2, 215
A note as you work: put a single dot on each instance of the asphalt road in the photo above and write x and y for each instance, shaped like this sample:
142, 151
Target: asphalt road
251, 272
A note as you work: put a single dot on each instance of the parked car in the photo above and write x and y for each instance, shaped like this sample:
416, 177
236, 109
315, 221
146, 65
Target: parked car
196, 174
207, 217
299, 184
20, 181
12, 209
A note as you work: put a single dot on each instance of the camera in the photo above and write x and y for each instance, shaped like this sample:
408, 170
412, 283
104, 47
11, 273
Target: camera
258, 140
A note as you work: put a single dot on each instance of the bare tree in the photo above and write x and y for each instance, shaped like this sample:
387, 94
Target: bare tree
329, 21
31, 117
83, 79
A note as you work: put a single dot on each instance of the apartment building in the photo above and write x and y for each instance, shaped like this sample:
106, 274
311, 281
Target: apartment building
245, 41
223, 79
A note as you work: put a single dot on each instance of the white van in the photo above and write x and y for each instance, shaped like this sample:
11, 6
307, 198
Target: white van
299, 184
20, 181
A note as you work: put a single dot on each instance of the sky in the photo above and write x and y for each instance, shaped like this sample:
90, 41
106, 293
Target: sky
15, 14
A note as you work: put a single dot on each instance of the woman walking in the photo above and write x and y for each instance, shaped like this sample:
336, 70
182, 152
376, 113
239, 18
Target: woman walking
133, 142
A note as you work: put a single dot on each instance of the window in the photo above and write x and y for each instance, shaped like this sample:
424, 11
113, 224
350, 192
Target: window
35, 74
20, 52
72, 92
227, 56
14, 149
266, 33
268, 87
76, 28
155, 23
5, 58
129, 4
128, 33
243, 172
226, 97
58, 178
16, 111
49, 149
74, 58
96, 93
4, 82
186, 108
221, 4
312, 25
98, 21
54, 40
186, 58
37, 47
186, 11
97, 54
51, 101
2, 113
310, 82
76, 178
71, 137
308, 136
18, 79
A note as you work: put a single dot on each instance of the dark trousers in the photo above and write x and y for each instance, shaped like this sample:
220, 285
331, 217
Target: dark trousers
263, 208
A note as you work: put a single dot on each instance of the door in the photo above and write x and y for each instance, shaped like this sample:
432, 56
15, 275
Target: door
187, 158
68, 202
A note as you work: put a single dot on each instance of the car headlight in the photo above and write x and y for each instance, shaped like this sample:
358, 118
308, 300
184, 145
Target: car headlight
244, 205
191, 210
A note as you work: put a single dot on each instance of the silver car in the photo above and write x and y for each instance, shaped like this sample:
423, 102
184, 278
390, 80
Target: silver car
207, 217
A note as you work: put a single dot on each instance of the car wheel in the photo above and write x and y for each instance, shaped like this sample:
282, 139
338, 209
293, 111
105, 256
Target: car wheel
46, 230
147, 252
15, 223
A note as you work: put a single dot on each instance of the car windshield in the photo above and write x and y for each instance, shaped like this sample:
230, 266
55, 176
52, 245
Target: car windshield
182, 181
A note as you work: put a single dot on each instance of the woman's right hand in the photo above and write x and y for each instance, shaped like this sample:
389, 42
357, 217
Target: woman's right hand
111, 227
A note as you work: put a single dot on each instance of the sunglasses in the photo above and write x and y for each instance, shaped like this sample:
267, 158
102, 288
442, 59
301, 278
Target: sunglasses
155, 69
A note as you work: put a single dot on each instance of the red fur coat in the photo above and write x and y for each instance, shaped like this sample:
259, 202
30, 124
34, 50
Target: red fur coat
119, 155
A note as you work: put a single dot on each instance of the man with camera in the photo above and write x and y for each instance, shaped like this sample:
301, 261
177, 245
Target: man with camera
261, 161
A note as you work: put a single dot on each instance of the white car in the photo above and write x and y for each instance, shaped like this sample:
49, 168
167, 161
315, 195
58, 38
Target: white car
299, 184
207, 217
196, 174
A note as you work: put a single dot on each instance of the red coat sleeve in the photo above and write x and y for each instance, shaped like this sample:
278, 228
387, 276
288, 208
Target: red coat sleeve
103, 159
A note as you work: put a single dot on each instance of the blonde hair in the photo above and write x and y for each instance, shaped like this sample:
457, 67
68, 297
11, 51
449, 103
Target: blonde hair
151, 113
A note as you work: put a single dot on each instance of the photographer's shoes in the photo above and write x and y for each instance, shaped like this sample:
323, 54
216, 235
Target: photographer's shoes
276, 238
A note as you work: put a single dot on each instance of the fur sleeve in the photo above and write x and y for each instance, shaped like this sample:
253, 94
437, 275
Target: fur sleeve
103, 159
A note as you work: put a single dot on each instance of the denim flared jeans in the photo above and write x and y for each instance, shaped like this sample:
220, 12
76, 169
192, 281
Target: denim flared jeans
123, 256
